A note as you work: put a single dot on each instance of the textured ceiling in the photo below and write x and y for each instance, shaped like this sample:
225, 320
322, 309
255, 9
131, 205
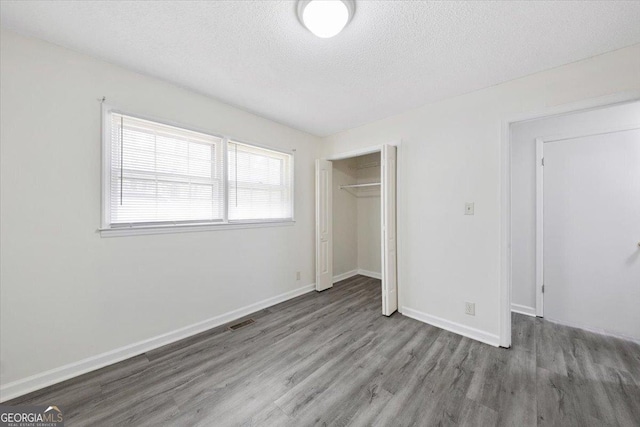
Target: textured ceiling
392, 56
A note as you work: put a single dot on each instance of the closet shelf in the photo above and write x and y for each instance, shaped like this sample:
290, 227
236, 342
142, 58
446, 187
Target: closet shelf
362, 190
366, 166
368, 184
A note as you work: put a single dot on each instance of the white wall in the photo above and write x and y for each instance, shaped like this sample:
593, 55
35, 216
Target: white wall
450, 154
369, 220
66, 293
345, 219
523, 185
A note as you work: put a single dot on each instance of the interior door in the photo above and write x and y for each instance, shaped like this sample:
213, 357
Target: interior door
389, 235
592, 232
324, 238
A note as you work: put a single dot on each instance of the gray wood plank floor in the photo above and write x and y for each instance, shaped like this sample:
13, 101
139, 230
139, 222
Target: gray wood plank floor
331, 358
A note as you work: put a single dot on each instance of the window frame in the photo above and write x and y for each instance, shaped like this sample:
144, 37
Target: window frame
108, 230
228, 188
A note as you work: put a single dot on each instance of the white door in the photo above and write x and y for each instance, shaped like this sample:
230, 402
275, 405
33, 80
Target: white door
591, 210
324, 239
389, 235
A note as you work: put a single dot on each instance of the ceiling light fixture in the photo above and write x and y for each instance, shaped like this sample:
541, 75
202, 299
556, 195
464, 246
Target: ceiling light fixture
325, 18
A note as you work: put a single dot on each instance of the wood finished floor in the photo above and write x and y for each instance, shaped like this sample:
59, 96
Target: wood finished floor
331, 358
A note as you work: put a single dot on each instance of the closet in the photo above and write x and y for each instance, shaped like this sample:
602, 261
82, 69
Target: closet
356, 220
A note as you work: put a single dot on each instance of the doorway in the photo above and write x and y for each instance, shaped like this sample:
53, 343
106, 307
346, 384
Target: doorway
575, 204
356, 220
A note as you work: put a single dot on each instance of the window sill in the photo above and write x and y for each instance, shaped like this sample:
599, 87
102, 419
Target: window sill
187, 228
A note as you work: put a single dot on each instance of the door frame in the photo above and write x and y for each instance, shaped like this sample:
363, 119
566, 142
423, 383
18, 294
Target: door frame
400, 204
505, 188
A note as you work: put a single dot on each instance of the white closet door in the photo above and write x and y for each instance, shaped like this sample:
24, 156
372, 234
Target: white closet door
389, 235
324, 239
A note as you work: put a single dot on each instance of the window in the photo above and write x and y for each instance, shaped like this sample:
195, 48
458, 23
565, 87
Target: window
158, 176
259, 183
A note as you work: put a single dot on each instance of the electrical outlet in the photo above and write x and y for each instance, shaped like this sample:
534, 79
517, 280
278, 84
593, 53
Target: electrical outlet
297, 275
468, 208
470, 308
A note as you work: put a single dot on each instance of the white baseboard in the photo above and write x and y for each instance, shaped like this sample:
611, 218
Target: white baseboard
44, 379
371, 274
523, 309
454, 327
344, 276
594, 330
356, 272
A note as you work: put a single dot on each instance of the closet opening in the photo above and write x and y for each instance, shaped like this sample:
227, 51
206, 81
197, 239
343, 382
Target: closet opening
356, 221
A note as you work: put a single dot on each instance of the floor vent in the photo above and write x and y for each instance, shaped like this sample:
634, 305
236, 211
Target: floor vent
242, 324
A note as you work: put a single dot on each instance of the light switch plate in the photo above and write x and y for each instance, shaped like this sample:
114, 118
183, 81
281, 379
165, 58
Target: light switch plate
468, 208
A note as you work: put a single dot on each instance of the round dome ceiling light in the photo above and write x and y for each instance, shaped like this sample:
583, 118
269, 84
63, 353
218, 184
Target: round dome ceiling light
325, 18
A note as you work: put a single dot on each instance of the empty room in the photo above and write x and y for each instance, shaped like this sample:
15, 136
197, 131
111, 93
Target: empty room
319, 212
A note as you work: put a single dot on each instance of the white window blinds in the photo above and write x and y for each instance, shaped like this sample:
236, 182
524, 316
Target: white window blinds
163, 174
260, 183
